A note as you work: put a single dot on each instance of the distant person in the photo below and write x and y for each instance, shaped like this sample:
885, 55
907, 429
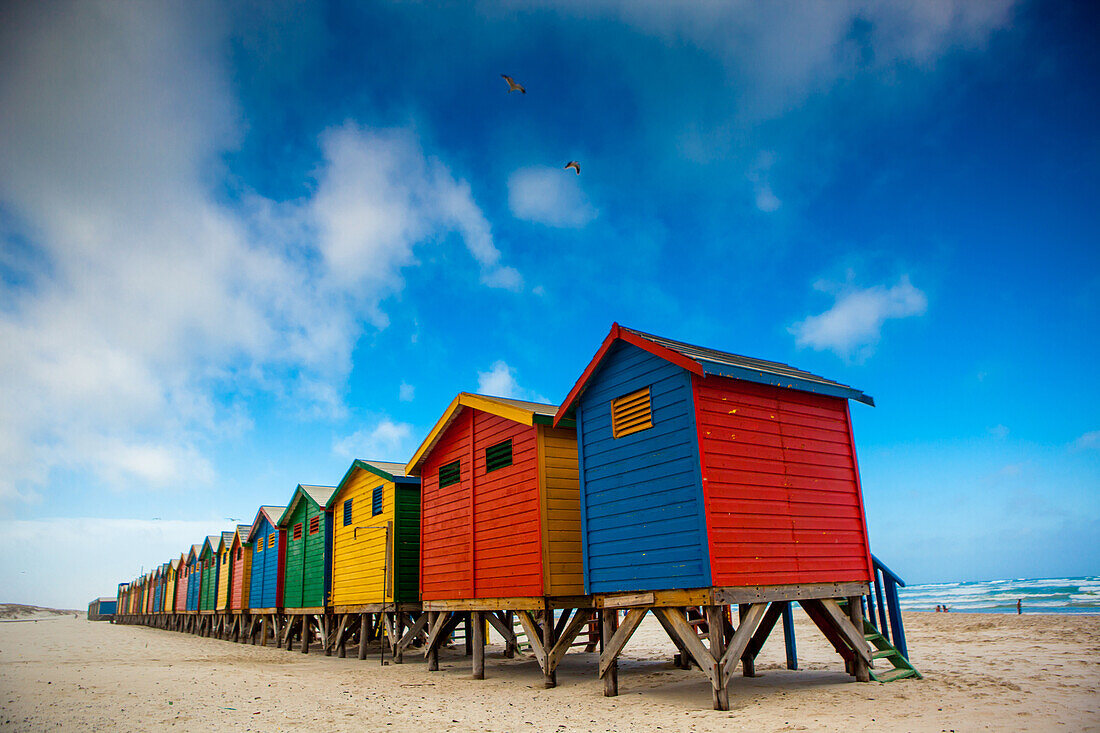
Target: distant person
1019, 606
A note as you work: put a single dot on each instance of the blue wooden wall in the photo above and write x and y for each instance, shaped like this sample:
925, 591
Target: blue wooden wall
263, 591
193, 588
641, 496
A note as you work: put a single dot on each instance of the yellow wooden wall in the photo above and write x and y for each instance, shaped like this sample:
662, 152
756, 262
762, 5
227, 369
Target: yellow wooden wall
168, 597
563, 565
359, 563
223, 580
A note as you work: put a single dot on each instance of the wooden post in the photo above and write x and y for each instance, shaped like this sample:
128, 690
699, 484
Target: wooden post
433, 648
469, 638
748, 659
855, 613
363, 635
788, 636
716, 631
476, 623
609, 621
306, 634
509, 644
549, 676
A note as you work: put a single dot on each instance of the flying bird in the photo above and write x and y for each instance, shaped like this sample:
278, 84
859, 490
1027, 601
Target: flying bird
513, 86
574, 165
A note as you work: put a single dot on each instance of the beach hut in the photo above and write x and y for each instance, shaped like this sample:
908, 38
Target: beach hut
208, 592
500, 527
194, 584
240, 559
265, 591
102, 609
375, 555
158, 590
225, 572
307, 573
122, 597
181, 587
171, 575
710, 479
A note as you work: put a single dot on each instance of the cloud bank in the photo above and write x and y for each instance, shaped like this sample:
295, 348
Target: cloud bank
549, 196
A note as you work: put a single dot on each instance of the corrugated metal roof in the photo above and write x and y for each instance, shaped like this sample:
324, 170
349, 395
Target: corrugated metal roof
320, 494
394, 469
538, 408
778, 369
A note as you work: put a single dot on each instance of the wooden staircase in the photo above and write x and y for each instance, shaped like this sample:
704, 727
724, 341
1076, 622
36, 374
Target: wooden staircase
902, 668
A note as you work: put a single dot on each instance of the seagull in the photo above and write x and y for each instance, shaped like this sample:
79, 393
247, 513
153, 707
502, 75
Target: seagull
574, 165
513, 86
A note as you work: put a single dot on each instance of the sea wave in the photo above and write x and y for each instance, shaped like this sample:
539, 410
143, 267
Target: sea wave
1036, 595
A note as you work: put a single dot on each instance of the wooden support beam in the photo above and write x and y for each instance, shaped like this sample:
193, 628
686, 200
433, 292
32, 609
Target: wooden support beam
683, 657
549, 637
341, 628
771, 617
431, 650
855, 615
476, 624
748, 658
677, 626
609, 620
847, 631
716, 631
364, 625
614, 646
510, 644
412, 633
740, 640
534, 635
824, 624
506, 632
788, 635
581, 618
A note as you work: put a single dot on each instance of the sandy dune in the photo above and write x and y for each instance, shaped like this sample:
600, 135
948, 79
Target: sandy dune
982, 672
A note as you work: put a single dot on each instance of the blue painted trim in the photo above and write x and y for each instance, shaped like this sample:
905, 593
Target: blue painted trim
584, 504
697, 471
788, 636
776, 380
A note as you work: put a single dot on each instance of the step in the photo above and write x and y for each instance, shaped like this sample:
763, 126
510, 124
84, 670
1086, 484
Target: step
895, 674
885, 654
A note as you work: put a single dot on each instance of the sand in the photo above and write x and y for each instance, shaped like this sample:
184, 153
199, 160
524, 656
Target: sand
982, 672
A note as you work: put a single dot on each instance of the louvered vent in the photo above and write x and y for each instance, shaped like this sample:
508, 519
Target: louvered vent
297, 534
498, 456
314, 523
376, 501
449, 474
631, 413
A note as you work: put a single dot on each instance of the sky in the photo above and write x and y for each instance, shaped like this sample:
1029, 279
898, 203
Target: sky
246, 243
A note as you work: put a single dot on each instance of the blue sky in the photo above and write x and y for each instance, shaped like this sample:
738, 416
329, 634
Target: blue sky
243, 246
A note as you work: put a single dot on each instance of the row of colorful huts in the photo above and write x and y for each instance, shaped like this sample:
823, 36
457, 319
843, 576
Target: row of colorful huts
673, 479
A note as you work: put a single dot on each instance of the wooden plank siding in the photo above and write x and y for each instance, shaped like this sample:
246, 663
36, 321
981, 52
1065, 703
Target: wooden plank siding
194, 578
209, 591
561, 518
181, 585
641, 505
241, 557
362, 548
265, 589
481, 537
306, 574
225, 570
780, 481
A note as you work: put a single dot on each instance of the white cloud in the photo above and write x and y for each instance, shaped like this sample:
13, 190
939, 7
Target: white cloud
65, 563
378, 197
854, 323
144, 294
778, 54
550, 196
500, 381
1088, 441
766, 200
383, 441
1000, 432
406, 392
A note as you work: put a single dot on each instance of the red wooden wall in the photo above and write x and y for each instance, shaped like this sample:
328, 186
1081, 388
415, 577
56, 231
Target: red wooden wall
236, 583
502, 545
781, 484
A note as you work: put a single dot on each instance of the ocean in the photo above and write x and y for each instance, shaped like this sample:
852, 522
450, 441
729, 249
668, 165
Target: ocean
1038, 595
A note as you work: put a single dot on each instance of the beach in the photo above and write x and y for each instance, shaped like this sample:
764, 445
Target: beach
982, 672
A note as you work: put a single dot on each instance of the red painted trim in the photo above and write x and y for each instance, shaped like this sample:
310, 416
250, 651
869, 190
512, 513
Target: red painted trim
586, 374
665, 353
473, 508
616, 333
859, 493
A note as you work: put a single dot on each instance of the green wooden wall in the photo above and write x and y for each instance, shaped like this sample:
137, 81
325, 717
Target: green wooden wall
209, 590
304, 583
406, 543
